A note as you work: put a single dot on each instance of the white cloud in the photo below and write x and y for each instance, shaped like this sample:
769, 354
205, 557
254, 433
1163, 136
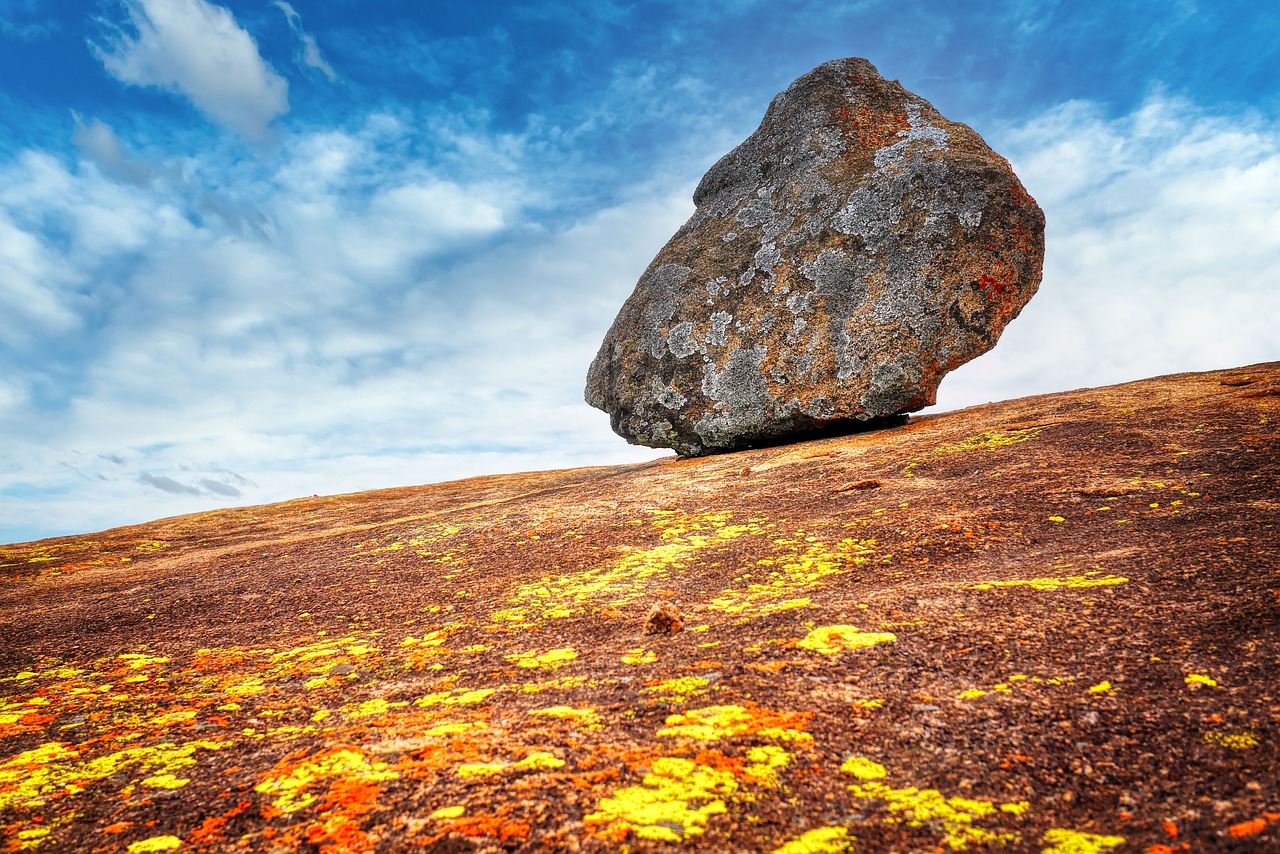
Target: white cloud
311, 56
1162, 250
334, 350
196, 49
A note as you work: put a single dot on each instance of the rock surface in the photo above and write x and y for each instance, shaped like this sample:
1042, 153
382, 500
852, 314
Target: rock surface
1049, 624
847, 255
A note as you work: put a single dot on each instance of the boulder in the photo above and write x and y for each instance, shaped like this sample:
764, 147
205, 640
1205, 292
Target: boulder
846, 256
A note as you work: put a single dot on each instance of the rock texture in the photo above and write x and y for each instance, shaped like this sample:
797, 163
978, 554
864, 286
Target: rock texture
1050, 624
847, 255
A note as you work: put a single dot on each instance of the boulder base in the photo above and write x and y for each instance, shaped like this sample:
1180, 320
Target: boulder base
841, 260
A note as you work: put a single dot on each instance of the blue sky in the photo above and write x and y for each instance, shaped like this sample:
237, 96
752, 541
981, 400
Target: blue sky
256, 250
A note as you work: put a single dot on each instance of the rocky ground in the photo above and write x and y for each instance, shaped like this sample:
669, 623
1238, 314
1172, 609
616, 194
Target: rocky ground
1051, 624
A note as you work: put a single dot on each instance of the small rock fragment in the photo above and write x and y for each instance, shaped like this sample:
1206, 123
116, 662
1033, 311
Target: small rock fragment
664, 619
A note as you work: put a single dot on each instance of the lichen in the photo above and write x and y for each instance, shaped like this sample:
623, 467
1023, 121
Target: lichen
821, 840
1069, 582
155, 844
864, 768
1233, 740
958, 818
829, 640
674, 801
627, 579
991, 440
550, 660
801, 567
1065, 841
291, 784
716, 722
585, 718
28, 779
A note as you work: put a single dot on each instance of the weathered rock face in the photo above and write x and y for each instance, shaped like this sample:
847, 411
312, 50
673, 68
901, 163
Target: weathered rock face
844, 258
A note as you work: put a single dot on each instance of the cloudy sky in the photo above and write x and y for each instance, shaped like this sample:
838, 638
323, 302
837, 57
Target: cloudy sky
256, 250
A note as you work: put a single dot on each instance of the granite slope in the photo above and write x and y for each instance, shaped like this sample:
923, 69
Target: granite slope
1049, 624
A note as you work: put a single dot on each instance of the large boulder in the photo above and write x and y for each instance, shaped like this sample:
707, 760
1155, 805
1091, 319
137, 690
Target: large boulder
844, 258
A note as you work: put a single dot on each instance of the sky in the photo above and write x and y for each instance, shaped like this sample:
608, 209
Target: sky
252, 251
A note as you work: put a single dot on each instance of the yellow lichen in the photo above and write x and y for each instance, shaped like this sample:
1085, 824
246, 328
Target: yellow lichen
165, 781
372, 708
674, 801
864, 768
32, 837
626, 580
154, 844
28, 778
990, 440
449, 812
716, 722
679, 689
454, 728
822, 840
480, 769
290, 784
550, 660
971, 694
800, 568
537, 761
958, 817
1070, 582
455, 697
586, 718
829, 640
765, 762
1101, 688
640, 656
1232, 740
1064, 841
1200, 679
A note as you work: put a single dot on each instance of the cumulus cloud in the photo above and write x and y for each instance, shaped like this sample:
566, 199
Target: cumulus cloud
98, 141
389, 324
310, 55
196, 49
